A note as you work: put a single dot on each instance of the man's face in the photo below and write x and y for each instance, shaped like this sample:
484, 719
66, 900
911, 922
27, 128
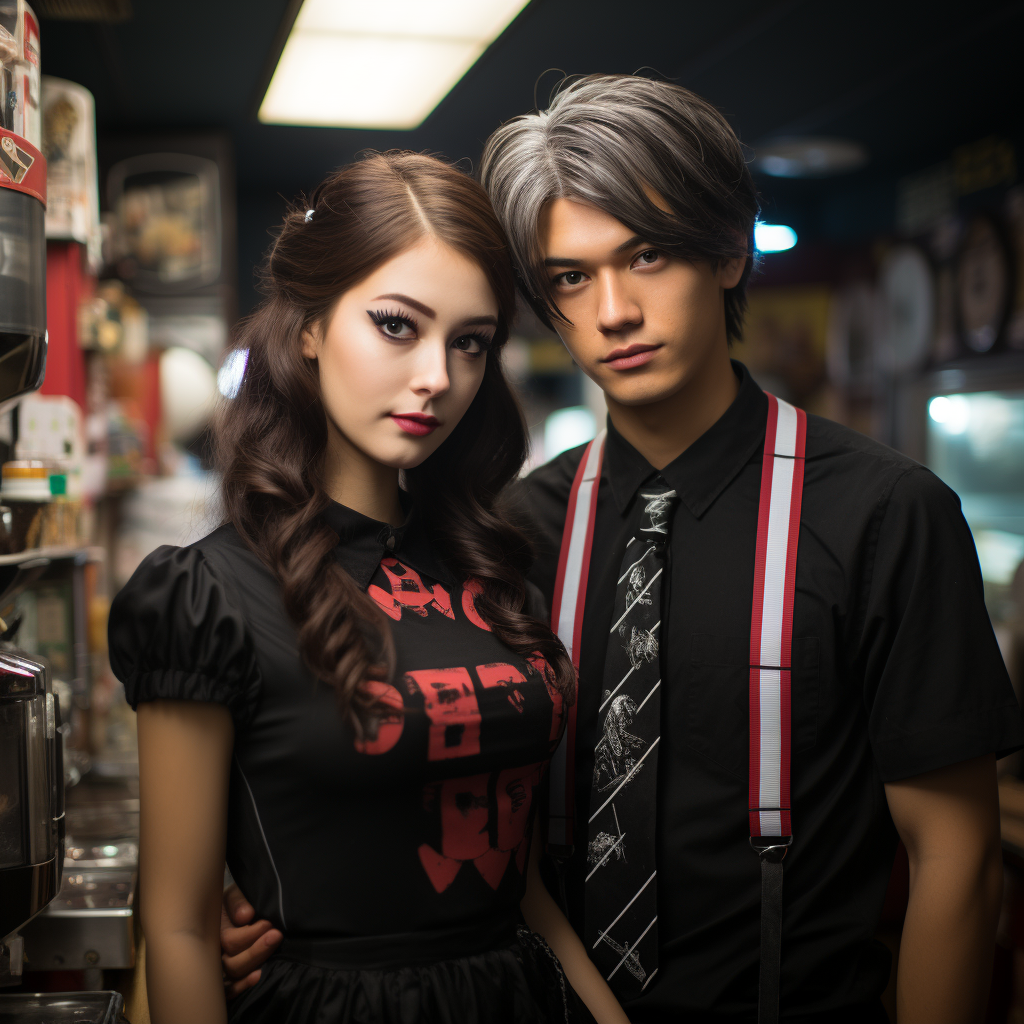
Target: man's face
643, 324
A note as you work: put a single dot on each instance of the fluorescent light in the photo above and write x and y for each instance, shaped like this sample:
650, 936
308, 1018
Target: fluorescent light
567, 428
379, 65
773, 237
229, 376
952, 413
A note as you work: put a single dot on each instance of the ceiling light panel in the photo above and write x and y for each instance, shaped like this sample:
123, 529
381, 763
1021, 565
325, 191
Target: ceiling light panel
382, 65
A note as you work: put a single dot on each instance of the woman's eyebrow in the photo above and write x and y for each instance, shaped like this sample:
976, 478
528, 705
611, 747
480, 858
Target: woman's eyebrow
424, 309
480, 321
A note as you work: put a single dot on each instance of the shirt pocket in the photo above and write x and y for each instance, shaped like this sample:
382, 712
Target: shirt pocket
718, 698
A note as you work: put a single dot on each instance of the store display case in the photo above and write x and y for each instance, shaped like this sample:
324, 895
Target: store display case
975, 443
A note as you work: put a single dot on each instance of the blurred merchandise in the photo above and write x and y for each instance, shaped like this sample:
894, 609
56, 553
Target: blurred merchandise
188, 392
168, 221
165, 510
112, 321
127, 441
50, 428
69, 145
784, 340
25, 493
19, 72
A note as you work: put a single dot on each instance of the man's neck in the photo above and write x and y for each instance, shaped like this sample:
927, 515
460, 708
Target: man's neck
661, 431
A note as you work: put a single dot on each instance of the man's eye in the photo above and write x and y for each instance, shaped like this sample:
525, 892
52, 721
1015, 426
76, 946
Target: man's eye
570, 277
649, 256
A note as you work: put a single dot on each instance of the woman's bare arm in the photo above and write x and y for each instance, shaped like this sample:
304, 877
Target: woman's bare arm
184, 764
545, 917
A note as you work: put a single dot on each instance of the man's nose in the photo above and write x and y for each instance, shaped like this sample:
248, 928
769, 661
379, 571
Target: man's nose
616, 309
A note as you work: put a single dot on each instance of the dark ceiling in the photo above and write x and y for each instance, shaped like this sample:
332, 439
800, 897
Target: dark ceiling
909, 80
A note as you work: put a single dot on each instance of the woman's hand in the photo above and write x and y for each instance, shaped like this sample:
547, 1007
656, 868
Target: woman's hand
245, 944
545, 917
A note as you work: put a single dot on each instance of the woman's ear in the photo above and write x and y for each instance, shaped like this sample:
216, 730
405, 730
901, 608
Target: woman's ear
309, 345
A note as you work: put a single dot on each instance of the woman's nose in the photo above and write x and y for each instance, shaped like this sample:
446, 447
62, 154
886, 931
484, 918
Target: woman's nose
431, 376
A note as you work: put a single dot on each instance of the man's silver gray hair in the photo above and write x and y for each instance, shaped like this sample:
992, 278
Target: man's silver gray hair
628, 146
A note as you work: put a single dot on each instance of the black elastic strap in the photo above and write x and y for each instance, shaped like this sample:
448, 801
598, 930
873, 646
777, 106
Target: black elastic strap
771, 935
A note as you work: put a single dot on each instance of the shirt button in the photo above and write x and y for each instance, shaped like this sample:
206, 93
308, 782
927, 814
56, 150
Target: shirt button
390, 542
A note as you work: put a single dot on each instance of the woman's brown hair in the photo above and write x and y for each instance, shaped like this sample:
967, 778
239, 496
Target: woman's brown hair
272, 435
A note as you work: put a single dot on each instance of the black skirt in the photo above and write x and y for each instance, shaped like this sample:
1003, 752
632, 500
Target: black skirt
498, 973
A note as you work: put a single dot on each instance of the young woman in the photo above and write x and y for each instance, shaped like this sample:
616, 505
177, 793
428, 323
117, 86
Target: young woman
340, 689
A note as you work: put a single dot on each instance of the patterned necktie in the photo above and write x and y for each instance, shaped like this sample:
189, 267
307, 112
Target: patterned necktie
621, 896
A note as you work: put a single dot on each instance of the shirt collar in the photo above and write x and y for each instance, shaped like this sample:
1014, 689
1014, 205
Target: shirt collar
709, 465
363, 542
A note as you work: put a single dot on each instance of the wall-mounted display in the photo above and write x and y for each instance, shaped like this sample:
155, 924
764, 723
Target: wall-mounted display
984, 285
850, 343
167, 225
906, 309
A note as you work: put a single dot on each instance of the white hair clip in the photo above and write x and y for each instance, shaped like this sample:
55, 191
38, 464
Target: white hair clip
309, 216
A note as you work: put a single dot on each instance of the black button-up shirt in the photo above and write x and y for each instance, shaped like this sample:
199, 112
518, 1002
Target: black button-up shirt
896, 672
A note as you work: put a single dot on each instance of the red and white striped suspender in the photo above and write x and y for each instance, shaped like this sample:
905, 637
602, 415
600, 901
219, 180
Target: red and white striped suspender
567, 622
771, 643
771, 621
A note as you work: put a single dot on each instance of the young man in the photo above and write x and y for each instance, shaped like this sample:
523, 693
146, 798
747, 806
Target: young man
631, 211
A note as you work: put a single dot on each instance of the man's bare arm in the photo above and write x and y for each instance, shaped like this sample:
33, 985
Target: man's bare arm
948, 820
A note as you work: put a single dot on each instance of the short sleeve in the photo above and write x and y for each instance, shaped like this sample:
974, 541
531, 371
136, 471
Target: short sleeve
175, 634
936, 688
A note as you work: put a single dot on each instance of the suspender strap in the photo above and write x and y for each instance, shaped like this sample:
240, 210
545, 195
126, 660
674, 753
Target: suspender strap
771, 642
567, 622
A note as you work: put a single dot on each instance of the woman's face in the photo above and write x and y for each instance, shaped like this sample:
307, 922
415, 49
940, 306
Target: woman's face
403, 353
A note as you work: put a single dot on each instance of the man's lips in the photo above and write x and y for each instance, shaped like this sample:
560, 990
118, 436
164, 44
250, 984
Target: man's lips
417, 423
630, 356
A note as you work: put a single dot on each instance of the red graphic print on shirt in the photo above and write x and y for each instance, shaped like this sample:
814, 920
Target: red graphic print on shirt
409, 591
538, 662
473, 589
483, 819
449, 701
504, 675
389, 727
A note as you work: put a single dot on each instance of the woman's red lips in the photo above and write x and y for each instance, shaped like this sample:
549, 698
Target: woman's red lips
417, 423
630, 356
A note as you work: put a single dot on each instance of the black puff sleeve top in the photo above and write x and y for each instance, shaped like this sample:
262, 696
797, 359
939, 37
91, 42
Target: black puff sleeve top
427, 825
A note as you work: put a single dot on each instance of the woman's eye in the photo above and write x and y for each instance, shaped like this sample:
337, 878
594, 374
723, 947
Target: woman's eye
393, 326
471, 344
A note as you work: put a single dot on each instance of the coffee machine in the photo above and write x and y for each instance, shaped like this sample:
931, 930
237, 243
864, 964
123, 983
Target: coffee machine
31, 784
22, 207
31, 765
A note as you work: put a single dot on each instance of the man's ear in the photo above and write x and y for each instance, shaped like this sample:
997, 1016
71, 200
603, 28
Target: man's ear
309, 345
730, 272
